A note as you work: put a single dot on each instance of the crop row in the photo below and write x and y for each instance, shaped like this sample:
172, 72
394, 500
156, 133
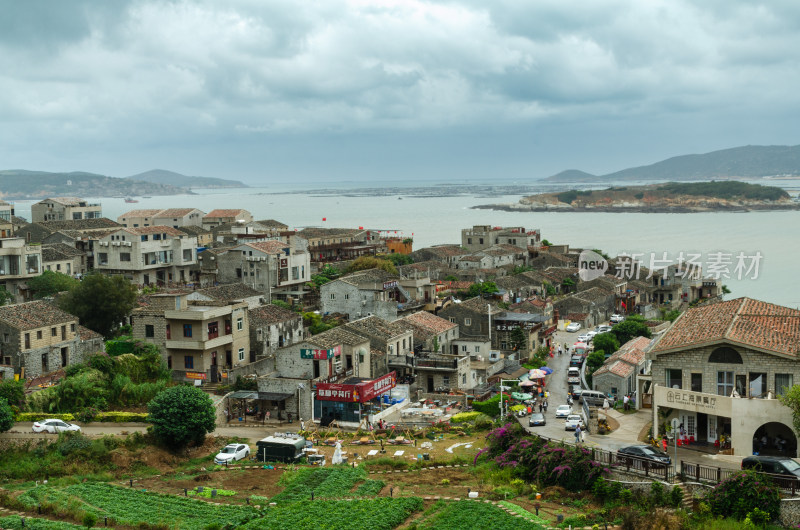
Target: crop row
457, 515
322, 482
15, 522
375, 514
132, 507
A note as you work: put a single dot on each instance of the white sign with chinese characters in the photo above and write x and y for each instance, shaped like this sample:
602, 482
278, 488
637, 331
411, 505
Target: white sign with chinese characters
692, 401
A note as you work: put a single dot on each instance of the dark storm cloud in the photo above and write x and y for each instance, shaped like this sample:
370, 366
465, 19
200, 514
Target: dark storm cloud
201, 87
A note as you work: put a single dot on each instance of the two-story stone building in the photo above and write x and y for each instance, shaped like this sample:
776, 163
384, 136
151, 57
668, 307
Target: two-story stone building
198, 340
19, 261
63, 258
273, 327
618, 375
37, 338
174, 217
719, 368
368, 292
147, 255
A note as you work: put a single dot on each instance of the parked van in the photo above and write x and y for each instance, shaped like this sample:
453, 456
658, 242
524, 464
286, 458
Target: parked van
281, 449
593, 398
777, 465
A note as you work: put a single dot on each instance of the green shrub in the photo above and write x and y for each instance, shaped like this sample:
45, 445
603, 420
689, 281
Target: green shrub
463, 417
38, 416
483, 423
6, 416
490, 407
71, 442
657, 493
13, 392
626, 496
758, 518
676, 496
89, 520
741, 493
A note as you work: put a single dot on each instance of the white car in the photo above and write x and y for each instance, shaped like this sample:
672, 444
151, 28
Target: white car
563, 411
573, 420
54, 426
573, 326
591, 334
231, 453
583, 338
616, 319
603, 329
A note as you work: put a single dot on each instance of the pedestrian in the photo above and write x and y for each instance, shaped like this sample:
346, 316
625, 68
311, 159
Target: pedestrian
266, 416
625, 401
545, 405
302, 425
289, 417
578, 434
541, 406
605, 405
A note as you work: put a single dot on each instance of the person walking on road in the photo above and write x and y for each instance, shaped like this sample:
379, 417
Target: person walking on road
578, 434
544, 405
605, 405
541, 406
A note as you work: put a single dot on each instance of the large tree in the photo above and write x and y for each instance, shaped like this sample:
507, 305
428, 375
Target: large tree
180, 415
370, 262
629, 329
606, 343
49, 283
101, 302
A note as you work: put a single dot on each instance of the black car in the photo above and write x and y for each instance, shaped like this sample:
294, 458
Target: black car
777, 465
536, 418
646, 452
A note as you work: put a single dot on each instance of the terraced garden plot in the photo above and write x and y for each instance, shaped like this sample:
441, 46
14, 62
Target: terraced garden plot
132, 507
324, 483
15, 522
373, 514
457, 515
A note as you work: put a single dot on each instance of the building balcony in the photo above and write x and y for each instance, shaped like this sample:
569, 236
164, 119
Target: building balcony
188, 344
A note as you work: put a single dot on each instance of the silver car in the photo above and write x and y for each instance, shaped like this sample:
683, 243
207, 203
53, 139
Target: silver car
573, 421
54, 426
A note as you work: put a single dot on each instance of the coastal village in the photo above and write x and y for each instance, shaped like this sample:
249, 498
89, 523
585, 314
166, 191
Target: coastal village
353, 327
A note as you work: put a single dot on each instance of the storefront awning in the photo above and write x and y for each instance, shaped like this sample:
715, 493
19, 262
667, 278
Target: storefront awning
244, 394
273, 396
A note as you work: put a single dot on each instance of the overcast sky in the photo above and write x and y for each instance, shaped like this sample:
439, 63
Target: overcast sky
266, 91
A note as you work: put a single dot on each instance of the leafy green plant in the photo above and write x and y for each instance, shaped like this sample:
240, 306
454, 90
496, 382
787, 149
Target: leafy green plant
741, 493
6, 416
181, 415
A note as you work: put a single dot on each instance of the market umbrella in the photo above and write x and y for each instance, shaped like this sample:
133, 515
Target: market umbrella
546, 369
527, 383
520, 396
536, 374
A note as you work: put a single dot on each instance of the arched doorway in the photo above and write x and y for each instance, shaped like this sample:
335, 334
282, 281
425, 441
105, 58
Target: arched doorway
775, 439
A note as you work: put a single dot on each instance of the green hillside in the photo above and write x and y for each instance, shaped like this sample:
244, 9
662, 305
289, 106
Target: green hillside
183, 181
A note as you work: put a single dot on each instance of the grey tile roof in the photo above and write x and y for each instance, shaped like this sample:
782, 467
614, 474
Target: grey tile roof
230, 292
375, 327
269, 314
336, 336
59, 252
79, 224
31, 315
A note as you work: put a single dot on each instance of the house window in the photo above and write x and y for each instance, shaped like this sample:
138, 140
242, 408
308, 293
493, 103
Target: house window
697, 382
361, 357
169, 332
124, 256
295, 273
188, 362
333, 296
467, 321
464, 347
213, 330
477, 349
404, 344
446, 380
187, 330
39, 334
725, 355
503, 345
53, 332
239, 324
452, 319
241, 354
758, 384
347, 296
72, 327
102, 258
674, 378
149, 331
783, 382
724, 383
464, 379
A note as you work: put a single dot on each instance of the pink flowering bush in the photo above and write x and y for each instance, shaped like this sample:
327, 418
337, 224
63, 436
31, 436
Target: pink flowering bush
742, 492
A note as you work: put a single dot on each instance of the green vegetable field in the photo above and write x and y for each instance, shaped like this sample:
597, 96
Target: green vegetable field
455, 515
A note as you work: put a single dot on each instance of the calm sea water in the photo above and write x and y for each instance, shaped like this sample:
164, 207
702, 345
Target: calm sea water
438, 220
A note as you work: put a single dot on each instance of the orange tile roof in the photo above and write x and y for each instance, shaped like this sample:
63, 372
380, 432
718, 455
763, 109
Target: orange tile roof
140, 213
223, 213
269, 247
175, 212
430, 322
744, 321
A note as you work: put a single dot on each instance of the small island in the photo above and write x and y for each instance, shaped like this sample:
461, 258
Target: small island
670, 197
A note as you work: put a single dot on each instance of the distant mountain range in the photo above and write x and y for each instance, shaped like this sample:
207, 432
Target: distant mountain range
22, 184
162, 176
752, 161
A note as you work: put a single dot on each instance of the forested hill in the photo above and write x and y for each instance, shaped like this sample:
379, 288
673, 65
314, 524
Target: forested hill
24, 184
752, 161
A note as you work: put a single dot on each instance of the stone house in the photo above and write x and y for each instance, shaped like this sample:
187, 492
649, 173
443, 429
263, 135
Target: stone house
275, 268
273, 327
618, 375
64, 209
480, 237
719, 368
596, 303
63, 258
363, 293
386, 339
428, 330
519, 287
472, 317
198, 340
37, 338
147, 255
38, 232
446, 254
204, 237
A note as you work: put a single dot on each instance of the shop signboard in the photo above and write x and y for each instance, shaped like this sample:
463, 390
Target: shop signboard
309, 353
